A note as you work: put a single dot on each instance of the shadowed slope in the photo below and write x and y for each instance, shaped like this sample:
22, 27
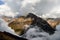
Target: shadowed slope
41, 23
8, 36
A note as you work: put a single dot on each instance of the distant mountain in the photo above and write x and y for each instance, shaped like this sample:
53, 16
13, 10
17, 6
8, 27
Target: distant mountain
7, 19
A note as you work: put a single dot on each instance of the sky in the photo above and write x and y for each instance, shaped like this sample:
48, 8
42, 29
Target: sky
5, 10
43, 8
1, 2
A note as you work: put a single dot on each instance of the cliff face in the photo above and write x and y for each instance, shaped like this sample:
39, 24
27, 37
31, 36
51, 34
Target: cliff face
19, 24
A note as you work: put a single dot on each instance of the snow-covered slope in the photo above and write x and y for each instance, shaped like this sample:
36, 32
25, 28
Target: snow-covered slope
4, 27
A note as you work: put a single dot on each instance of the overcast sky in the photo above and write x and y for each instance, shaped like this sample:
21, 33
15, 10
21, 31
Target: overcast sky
44, 8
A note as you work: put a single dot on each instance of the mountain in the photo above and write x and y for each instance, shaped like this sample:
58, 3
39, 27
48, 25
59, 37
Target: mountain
19, 23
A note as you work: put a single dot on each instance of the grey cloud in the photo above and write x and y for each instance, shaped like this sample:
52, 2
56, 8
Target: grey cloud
40, 8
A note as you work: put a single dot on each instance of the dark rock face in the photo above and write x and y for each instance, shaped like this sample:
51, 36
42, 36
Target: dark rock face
33, 17
9, 36
41, 23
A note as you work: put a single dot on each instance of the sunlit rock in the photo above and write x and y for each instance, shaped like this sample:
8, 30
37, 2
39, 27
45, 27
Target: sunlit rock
20, 24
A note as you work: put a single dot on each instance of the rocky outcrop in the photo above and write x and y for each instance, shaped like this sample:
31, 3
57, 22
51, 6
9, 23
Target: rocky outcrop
43, 24
19, 24
8, 36
53, 23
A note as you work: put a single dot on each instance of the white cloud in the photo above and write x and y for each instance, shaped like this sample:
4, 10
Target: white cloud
35, 33
53, 13
33, 2
21, 6
40, 7
5, 10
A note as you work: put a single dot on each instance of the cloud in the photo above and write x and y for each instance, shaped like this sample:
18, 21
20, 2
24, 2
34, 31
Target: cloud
5, 10
4, 27
37, 34
54, 12
42, 8
56, 36
21, 6
33, 2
